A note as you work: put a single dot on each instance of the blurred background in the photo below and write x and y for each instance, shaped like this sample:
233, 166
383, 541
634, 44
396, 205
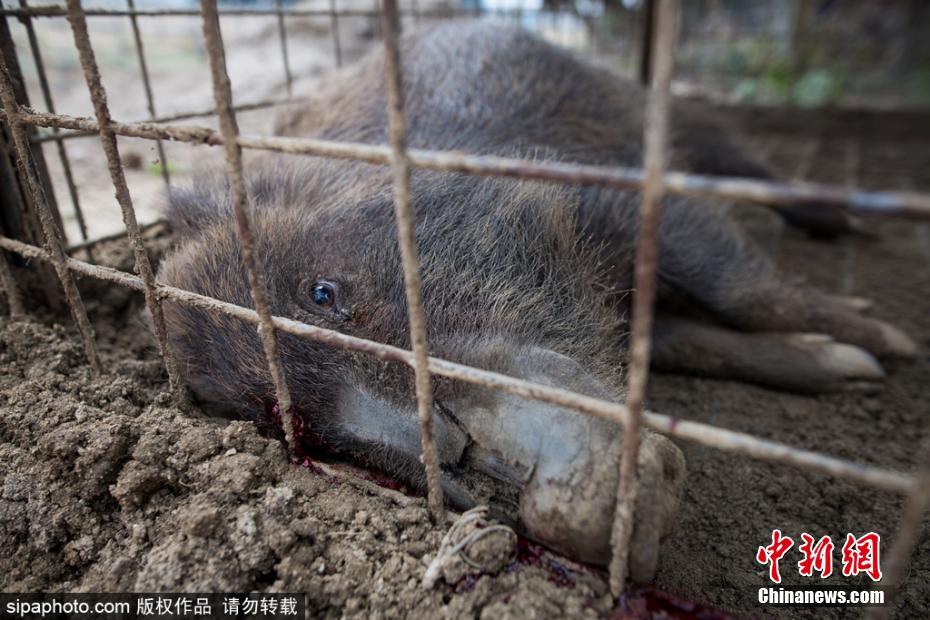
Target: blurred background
850, 55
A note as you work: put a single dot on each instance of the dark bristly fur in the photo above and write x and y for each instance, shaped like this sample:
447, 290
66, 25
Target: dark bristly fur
505, 263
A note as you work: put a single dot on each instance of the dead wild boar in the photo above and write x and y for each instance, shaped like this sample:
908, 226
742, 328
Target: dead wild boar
525, 278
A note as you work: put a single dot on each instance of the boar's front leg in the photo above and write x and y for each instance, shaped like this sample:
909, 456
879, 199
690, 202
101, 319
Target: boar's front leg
744, 321
800, 338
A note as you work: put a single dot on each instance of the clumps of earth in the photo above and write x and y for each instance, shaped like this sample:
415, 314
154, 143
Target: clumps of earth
106, 486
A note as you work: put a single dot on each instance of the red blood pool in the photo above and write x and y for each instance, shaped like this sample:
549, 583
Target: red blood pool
646, 602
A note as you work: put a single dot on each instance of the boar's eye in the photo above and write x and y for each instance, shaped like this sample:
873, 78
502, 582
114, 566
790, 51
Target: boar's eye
323, 294
324, 298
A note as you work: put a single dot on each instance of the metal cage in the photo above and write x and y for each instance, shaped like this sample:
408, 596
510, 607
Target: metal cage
653, 180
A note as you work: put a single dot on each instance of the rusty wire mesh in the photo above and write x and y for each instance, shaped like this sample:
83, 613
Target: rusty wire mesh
222, 92
652, 179
406, 236
644, 283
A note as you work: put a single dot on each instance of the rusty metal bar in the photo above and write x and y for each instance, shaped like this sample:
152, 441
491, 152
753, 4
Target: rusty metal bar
147, 83
916, 506
60, 11
98, 96
912, 519
704, 434
378, 15
334, 25
406, 234
143, 228
50, 105
183, 116
14, 297
647, 34
222, 94
898, 204
282, 38
53, 238
22, 217
644, 284
401, 159
18, 217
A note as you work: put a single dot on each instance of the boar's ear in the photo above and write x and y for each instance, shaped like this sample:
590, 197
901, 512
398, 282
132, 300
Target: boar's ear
271, 183
191, 210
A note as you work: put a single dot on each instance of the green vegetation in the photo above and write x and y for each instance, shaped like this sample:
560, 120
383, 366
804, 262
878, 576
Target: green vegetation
755, 71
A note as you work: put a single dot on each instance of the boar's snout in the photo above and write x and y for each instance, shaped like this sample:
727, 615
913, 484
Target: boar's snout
550, 471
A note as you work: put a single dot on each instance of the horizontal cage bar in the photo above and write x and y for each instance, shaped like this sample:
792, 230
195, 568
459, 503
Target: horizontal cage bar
705, 434
60, 11
887, 203
242, 212
180, 116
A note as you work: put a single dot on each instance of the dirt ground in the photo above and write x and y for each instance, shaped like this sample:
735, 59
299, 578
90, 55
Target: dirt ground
105, 486
731, 503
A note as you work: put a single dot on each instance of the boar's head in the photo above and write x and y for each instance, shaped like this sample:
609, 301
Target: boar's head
509, 285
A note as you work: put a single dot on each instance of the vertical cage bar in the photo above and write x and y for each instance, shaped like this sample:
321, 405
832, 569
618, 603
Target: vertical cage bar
912, 519
50, 106
98, 96
229, 128
647, 33
406, 233
10, 204
334, 24
647, 250
18, 220
282, 39
50, 228
13, 296
22, 221
147, 83
377, 16
916, 505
